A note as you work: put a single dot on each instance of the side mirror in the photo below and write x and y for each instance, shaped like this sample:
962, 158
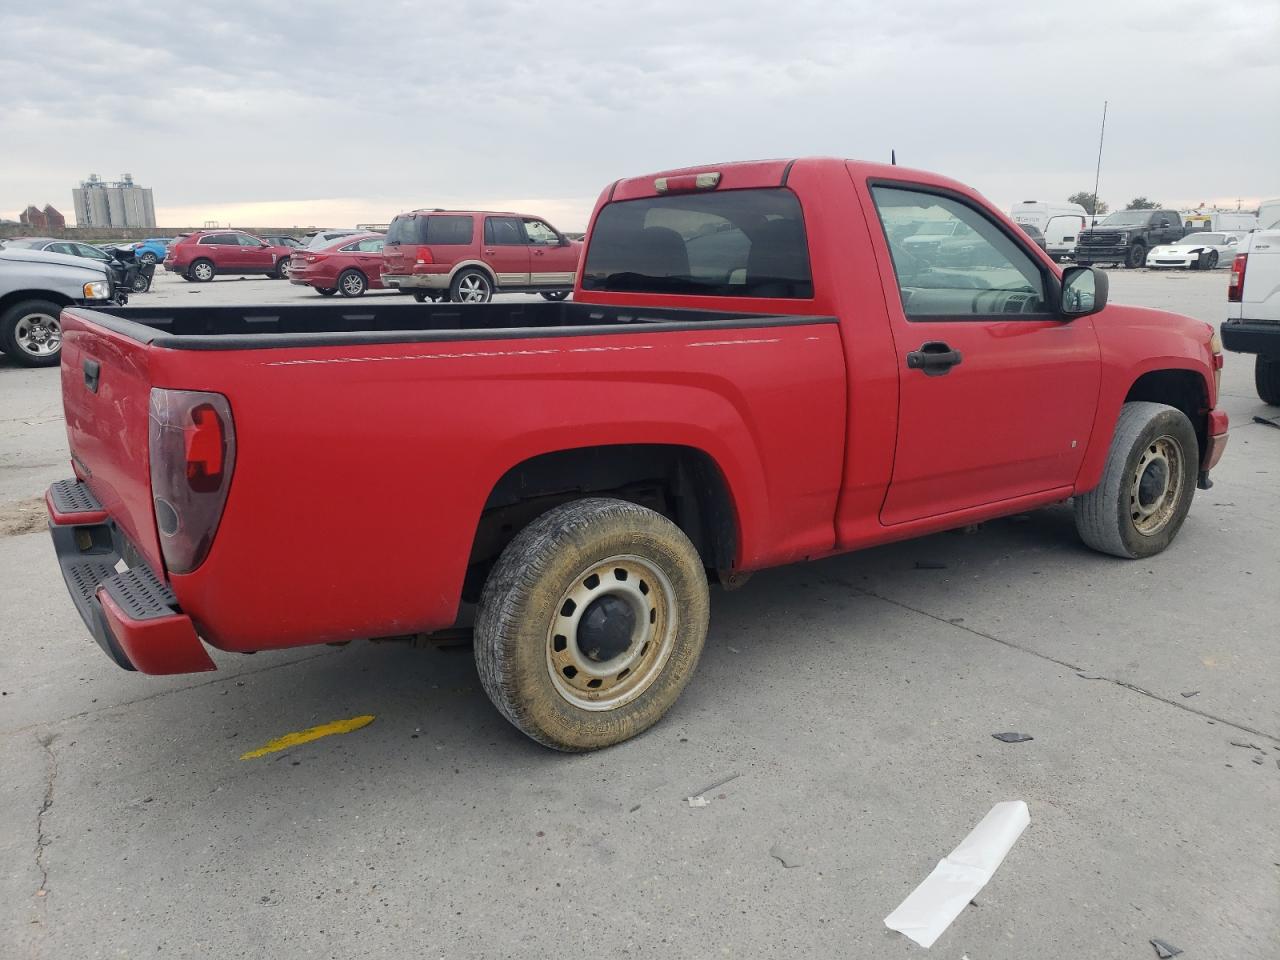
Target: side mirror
1164, 223
565, 241
1084, 291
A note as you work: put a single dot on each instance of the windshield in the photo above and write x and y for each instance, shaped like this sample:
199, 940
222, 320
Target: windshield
1211, 239
1128, 218
738, 243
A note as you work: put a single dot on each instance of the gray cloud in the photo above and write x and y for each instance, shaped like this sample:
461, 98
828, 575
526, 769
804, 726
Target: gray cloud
400, 104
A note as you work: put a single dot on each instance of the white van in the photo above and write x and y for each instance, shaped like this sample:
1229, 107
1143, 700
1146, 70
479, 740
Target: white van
1216, 221
1060, 223
1269, 215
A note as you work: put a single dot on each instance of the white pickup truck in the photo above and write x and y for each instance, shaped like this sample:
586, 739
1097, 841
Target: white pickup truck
1253, 302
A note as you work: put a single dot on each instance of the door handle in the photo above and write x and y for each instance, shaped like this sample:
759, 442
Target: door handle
92, 371
934, 357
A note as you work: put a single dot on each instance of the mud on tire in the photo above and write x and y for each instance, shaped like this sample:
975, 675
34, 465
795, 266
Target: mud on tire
1147, 483
575, 575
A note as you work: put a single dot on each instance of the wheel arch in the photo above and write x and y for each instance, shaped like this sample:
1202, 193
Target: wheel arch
17, 296
1164, 381
474, 264
683, 483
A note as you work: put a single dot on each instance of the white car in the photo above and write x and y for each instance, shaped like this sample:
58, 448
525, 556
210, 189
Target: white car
1197, 251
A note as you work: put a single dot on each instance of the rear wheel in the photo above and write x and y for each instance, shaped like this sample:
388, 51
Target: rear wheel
591, 623
471, 286
352, 283
326, 291
148, 257
201, 271
1266, 376
31, 333
141, 283
1147, 483
1137, 256
555, 295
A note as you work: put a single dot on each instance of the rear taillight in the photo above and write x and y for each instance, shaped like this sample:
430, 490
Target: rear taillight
424, 255
1236, 287
193, 452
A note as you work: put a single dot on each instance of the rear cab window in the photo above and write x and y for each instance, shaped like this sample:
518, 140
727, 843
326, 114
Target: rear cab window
734, 243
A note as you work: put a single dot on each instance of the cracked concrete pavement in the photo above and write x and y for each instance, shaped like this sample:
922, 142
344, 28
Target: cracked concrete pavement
855, 698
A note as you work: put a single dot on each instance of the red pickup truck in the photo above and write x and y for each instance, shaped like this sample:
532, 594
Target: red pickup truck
756, 369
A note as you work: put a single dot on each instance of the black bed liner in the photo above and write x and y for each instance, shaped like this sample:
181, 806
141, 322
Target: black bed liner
251, 328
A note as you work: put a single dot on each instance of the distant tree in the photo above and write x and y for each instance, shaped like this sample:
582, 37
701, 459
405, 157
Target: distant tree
1142, 203
1086, 200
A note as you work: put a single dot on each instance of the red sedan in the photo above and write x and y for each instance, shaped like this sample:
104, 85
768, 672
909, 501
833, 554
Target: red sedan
348, 266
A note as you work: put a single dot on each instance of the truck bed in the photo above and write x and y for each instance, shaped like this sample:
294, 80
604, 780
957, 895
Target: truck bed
240, 328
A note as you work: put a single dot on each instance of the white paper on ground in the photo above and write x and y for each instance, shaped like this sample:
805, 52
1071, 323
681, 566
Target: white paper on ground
958, 877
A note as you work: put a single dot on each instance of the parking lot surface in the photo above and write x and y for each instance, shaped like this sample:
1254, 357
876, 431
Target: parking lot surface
852, 699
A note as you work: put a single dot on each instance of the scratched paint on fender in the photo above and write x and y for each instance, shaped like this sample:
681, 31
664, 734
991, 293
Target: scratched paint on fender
306, 736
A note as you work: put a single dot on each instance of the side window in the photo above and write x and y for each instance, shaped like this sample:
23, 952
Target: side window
539, 232
247, 241
220, 240
352, 247
66, 248
448, 230
371, 245
952, 262
93, 253
503, 232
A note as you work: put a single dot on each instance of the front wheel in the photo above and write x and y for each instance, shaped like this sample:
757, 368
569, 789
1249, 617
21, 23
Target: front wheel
471, 286
351, 283
1147, 483
591, 623
31, 333
1137, 256
555, 295
141, 283
281, 271
1266, 377
1212, 262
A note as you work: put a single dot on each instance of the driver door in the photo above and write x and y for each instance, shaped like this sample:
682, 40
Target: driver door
996, 392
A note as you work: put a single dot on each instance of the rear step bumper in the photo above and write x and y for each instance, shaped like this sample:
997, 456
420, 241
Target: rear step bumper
132, 614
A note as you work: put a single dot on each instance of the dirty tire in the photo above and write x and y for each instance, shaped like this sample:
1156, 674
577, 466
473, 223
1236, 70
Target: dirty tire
1266, 376
522, 600
1104, 515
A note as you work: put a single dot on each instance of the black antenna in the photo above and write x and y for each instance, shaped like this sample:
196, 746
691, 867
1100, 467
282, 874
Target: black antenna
893, 158
1097, 174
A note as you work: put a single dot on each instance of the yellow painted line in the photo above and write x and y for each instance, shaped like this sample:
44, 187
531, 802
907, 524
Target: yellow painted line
306, 736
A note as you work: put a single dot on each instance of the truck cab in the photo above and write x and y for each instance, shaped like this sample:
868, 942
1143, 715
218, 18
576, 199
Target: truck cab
1125, 237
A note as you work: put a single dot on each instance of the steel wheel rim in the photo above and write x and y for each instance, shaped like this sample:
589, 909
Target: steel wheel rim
1156, 485
38, 334
202, 271
589, 680
473, 289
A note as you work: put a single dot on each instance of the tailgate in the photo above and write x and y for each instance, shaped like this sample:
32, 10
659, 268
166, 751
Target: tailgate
106, 390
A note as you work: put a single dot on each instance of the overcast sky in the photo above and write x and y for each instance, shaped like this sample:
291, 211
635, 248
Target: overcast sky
323, 112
